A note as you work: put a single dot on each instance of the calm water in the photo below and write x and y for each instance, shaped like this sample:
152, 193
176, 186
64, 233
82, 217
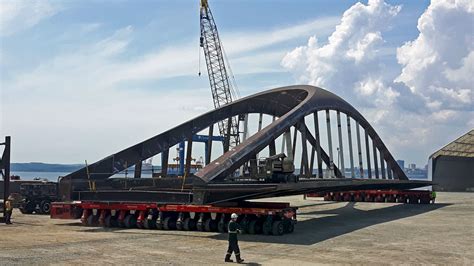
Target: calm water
53, 176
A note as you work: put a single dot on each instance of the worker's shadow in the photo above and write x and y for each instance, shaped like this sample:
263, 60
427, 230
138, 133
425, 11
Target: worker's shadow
338, 222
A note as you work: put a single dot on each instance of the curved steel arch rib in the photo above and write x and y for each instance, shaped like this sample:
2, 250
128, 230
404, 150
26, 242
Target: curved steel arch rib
315, 99
291, 104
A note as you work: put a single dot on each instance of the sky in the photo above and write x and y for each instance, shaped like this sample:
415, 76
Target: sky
84, 79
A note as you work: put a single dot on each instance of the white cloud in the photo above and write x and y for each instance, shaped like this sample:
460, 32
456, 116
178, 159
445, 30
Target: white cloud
430, 103
349, 61
439, 63
239, 42
18, 15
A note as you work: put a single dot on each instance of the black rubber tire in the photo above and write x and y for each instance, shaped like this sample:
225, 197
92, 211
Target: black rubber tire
121, 224
424, 201
412, 200
244, 225
401, 199
45, 207
169, 223
255, 227
267, 228
149, 224
130, 221
92, 220
291, 227
222, 227
200, 226
210, 225
83, 222
189, 224
179, 225
108, 221
159, 224
277, 228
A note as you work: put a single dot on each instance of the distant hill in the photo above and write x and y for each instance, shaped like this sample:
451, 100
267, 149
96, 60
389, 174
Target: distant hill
44, 167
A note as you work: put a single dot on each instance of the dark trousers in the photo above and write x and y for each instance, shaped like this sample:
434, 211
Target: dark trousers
8, 216
233, 247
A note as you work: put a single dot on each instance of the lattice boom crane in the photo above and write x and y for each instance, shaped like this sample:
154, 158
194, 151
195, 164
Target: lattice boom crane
221, 87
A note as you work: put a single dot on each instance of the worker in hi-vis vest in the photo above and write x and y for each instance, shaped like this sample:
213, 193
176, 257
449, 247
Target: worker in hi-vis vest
233, 229
8, 210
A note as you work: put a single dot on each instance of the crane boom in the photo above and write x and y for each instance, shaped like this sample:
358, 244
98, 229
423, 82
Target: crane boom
221, 88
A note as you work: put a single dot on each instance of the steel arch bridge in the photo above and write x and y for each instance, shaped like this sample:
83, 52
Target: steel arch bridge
294, 111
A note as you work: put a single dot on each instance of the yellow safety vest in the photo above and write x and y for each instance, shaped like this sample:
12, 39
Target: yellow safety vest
8, 205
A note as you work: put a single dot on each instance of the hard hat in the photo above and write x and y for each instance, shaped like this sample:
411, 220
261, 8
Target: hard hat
234, 216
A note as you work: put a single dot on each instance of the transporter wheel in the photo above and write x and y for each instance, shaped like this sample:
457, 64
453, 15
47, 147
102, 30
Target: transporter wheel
255, 227
210, 225
378, 198
130, 221
291, 227
83, 221
200, 226
108, 221
159, 224
412, 200
424, 201
149, 224
140, 224
347, 197
391, 198
92, 220
267, 228
121, 223
327, 197
189, 224
244, 224
169, 223
222, 227
179, 225
277, 228
401, 199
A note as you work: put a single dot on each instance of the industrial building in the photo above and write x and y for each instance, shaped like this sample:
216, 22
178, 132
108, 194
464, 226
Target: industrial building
452, 167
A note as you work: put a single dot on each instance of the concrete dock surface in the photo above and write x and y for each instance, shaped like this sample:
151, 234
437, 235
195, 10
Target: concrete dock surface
326, 233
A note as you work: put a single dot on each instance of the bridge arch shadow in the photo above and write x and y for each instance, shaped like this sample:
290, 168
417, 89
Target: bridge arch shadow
341, 221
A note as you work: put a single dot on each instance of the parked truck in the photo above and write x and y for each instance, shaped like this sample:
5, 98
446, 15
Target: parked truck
37, 196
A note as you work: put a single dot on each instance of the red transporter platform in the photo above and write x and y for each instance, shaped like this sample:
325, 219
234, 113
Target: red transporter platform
254, 217
400, 196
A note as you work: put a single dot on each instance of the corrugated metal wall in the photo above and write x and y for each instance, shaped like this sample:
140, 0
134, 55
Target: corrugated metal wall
453, 173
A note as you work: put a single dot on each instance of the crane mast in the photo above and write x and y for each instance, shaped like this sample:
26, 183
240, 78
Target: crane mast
221, 88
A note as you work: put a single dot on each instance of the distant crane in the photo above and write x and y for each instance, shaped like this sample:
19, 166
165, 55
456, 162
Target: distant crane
217, 68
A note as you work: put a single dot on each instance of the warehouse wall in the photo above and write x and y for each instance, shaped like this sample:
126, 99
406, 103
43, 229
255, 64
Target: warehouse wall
453, 173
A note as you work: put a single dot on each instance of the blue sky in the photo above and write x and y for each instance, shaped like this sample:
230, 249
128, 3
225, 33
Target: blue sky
83, 79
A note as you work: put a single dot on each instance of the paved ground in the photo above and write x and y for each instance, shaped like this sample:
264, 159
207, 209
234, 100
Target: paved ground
328, 233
